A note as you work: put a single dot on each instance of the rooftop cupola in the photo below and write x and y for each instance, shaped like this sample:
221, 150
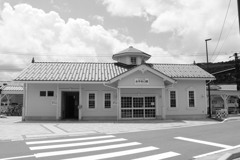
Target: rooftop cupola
131, 56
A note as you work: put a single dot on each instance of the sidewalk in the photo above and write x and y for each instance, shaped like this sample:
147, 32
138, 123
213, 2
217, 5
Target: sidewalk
12, 128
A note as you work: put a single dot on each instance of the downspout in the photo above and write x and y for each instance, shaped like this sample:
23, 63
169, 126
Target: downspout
117, 97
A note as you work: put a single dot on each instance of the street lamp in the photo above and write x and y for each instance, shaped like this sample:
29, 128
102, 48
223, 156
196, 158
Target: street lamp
209, 96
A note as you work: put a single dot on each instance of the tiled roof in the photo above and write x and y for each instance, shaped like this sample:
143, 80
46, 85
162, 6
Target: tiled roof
100, 72
11, 88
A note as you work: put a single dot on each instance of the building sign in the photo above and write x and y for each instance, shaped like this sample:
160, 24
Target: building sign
54, 102
141, 81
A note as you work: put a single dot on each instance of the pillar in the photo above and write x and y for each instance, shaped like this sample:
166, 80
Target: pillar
80, 103
119, 104
163, 103
57, 106
24, 102
225, 98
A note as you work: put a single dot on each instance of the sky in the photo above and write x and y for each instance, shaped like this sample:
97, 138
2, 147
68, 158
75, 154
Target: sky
171, 31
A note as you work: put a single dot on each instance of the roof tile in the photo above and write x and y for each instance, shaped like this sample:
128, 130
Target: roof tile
101, 72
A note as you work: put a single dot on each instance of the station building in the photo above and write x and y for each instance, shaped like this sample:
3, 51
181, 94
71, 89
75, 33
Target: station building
129, 88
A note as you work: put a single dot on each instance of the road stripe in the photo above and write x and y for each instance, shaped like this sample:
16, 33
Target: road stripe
47, 154
204, 142
214, 152
115, 154
53, 129
76, 144
19, 157
68, 140
160, 156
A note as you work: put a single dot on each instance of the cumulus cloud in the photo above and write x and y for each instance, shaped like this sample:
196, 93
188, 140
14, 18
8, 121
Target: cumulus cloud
28, 32
189, 22
98, 18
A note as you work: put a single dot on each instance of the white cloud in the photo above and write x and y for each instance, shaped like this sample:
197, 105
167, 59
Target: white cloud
98, 18
189, 22
31, 31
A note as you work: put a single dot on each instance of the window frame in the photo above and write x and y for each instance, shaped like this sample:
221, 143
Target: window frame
111, 99
48, 94
169, 99
44, 92
95, 100
135, 58
191, 89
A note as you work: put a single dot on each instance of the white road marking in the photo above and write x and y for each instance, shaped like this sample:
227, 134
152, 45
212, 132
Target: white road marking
68, 140
56, 153
204, 142
76, 144
160, 156
19, 157
115, 154
53, 128
218, 151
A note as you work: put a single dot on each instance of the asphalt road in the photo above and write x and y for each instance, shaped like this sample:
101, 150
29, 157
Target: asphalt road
174, 144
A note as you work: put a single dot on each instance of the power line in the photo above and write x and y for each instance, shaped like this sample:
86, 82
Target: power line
102, 55
221, 30
226, 37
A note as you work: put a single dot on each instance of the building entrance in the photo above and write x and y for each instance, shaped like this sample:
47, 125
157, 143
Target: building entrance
70, 101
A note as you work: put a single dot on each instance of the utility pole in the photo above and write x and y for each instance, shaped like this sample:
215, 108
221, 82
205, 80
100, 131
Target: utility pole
209, 94
238, 5
237, 72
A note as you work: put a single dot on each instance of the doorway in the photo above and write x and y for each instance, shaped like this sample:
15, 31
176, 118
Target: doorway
70, 101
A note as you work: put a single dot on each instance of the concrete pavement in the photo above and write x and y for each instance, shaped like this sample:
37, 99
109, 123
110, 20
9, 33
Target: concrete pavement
12, 128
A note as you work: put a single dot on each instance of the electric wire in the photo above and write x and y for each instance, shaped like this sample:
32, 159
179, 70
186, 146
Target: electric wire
226, 37
221, 30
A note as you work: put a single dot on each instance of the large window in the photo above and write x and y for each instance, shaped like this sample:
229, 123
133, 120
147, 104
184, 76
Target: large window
138, 107
173, 99
92, 100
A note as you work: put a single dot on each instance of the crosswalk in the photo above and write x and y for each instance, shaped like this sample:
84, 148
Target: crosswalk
96, 148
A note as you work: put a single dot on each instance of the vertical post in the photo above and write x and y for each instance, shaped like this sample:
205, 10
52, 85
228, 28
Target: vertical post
57, 105
238, 5
80, 103
163, 103
209, 95
119, 104
24, 102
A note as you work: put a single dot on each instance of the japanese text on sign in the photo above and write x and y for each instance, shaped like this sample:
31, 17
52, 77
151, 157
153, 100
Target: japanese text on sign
140, 81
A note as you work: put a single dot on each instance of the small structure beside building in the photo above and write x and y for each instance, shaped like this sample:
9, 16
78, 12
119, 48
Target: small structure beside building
225, 97
130, 88
10, 95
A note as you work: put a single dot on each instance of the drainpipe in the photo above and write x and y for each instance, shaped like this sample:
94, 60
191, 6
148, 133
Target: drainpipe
117, 97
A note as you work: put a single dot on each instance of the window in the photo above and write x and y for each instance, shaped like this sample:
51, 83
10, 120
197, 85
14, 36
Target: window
133, 60
173, 99
42, 93
191, 98
50, 93
92, 100
107, 100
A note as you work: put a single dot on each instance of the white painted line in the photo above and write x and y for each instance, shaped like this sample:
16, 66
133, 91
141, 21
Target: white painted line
204, 142
17, 157
58, 134
53, 129
115, 154
76, 144
68, 140
160, 156
218, 151
56, 153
